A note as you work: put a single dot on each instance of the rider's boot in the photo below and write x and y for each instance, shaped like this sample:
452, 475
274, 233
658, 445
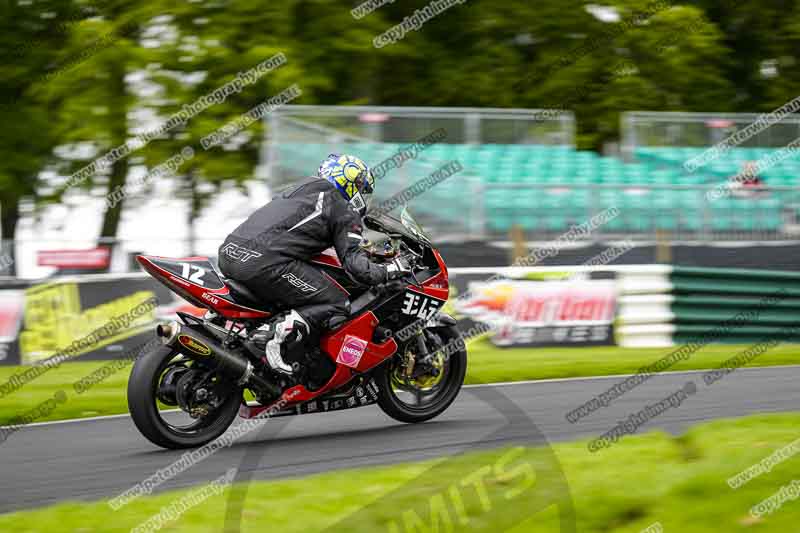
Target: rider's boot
292, 330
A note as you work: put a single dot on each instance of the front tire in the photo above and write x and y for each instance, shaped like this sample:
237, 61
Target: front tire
143, 385
430, 403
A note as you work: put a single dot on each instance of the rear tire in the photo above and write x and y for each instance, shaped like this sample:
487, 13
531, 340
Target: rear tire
142, 386
401, 411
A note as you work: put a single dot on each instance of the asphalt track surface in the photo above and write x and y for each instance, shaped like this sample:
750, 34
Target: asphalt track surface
99, 459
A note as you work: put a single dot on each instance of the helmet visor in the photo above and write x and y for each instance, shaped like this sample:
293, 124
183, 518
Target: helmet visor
367, 187
363, 197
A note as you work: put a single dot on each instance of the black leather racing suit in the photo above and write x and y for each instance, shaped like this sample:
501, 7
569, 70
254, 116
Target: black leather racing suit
269, 251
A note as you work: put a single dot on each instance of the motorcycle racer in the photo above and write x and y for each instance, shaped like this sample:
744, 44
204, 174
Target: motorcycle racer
269, 252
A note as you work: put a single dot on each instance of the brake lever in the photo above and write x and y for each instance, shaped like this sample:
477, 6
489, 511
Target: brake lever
412, 263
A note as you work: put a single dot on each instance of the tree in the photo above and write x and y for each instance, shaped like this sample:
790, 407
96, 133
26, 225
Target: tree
96, 96
210, 43
29, 46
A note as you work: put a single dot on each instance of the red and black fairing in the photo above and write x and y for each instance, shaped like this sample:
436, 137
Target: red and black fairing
393, 311
195, 279
352, 348
353, 351
418, 302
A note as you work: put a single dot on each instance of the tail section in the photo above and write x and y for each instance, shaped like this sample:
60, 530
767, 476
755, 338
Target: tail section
196, 280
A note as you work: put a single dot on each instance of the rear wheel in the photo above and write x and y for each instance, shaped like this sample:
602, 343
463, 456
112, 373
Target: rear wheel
162, 380
411, 392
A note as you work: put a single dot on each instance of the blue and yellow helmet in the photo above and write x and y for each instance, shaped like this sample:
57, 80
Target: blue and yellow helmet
352, 177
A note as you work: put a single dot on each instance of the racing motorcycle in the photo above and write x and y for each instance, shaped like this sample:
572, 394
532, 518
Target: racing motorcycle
396, 348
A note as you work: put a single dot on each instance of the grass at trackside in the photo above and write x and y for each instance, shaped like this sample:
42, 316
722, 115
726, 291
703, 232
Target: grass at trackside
487, 364
642, 479
105, 398
491, 364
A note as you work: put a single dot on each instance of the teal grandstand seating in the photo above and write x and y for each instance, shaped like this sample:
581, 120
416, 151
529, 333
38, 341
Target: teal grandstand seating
547, 188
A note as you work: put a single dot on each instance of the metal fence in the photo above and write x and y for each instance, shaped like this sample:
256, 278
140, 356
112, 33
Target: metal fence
474, 206
678, 129
393, 124
300, 136
677, 213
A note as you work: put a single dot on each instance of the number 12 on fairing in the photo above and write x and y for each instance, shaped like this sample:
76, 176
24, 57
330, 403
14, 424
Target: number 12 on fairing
420, 306
197, 277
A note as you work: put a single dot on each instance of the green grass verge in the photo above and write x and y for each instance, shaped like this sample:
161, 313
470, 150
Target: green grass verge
108, 397
642, 479
487, 364
491, 364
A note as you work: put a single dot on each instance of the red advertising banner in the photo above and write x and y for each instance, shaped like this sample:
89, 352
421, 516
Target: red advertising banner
12, 307
529, 313
94, 258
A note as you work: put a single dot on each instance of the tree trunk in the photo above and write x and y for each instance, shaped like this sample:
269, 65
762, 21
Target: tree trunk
194, 211
9, 216
119, 135
112, 215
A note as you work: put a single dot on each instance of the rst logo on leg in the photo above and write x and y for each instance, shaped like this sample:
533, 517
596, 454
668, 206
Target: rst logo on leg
240, 253
419, 305
299, 283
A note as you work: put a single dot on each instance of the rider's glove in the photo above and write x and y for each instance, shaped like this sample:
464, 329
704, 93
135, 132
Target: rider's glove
398, 268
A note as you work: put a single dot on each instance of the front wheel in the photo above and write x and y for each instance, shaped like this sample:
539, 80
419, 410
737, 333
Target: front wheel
208, 404
409, 395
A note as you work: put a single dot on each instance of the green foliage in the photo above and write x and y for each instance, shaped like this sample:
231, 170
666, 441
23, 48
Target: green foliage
74, 70
28, 47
